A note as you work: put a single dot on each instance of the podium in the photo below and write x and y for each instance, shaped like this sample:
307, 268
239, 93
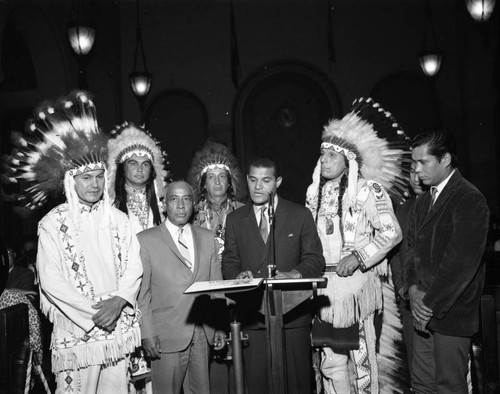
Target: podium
280, 297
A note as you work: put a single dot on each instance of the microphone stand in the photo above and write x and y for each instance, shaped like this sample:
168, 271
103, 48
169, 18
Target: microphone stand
270, 309
271, 267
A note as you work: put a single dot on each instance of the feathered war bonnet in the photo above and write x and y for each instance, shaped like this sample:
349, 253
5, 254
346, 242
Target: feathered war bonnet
128, 140
62, 140
375, 146
215, 155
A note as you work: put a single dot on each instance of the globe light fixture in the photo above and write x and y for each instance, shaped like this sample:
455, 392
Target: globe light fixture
140, 83
430, 62
140, 78
480, 10
81, 38
431, 57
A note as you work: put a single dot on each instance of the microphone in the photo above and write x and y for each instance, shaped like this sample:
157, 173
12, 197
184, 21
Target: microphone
271, 209
271, 267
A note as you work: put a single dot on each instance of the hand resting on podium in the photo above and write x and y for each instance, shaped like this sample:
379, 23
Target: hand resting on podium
293, 274
245, 275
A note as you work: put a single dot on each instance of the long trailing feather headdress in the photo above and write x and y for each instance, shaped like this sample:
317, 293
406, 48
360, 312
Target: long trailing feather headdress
127, 140
61, 140
215, 155
375, 146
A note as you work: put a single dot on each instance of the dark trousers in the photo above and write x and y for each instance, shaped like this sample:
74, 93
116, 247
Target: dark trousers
406, 317
440, 363
298, 356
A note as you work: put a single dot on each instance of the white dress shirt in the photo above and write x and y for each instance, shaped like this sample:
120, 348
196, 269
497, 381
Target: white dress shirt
440, 187
257, 211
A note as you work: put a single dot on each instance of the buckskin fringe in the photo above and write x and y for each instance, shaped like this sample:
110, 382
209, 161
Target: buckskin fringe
96, 353
353, 298
103, 351
59, 321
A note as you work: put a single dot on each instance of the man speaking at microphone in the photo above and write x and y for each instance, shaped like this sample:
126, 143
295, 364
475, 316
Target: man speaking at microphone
248, 253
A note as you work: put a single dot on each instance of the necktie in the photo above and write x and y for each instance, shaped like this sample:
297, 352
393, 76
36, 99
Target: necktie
263, 228
184, 249
434, 191
433, 197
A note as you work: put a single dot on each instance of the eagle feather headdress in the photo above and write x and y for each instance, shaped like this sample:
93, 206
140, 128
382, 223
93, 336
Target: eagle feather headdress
61, 140
375, 146
128, 140
215, 155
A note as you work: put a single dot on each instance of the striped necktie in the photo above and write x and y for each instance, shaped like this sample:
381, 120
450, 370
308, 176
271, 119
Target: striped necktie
183, 248
263, 228
434, 191
433, 197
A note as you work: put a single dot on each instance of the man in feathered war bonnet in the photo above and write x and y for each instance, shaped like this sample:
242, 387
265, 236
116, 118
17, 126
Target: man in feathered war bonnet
88, 255
364, 156
219, 187
137, 176
217, 183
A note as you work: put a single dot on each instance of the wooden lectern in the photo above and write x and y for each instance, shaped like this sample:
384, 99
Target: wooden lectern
280, 297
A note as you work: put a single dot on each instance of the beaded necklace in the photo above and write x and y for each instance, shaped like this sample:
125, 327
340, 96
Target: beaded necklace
137, 203
329, 204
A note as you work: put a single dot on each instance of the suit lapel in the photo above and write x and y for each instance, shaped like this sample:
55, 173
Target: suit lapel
443, 197
281, 217
197, 249
167, 238
252, 227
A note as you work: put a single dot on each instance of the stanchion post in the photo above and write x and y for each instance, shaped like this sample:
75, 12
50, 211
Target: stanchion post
236, 340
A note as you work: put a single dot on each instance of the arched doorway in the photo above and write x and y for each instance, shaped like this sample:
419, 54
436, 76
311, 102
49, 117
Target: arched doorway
179, 120
280, 111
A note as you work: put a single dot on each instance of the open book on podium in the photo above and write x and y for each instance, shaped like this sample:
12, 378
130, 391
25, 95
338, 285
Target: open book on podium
223, 286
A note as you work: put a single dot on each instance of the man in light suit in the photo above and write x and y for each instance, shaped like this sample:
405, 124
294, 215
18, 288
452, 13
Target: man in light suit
444, 272
177, 328
298, 254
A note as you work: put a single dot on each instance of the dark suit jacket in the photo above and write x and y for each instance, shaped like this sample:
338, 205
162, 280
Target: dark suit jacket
397, 255
445, 249
297, 247
21, 278
166, 311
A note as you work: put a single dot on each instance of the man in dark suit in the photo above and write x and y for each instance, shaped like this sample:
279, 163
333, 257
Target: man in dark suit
397, 258
298, 254
175, 329
443, 270
20, 277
